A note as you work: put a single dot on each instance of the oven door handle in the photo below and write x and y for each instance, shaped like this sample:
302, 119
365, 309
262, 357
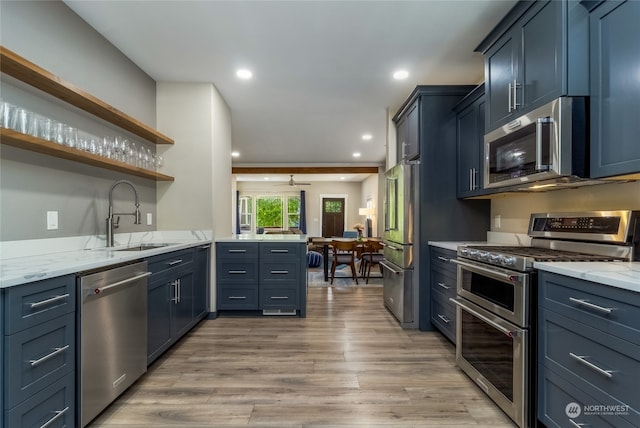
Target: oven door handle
511, 277
505, 331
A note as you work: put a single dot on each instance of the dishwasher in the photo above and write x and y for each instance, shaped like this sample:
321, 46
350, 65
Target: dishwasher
113, 339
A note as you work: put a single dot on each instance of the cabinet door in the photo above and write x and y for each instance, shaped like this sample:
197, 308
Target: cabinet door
541, 59
182, 296
615, 89
158, 318
500, 74
408, 134
202, 282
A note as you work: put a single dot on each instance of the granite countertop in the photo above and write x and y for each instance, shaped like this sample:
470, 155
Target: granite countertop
255, 237
624, 275
22, 262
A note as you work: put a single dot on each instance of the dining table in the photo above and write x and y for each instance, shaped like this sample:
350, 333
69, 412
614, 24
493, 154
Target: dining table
325, 242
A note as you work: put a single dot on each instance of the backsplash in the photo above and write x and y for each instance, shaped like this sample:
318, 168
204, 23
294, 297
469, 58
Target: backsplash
514, 209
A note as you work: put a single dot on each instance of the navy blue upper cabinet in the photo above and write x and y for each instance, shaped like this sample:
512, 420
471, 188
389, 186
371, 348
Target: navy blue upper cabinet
537, 53
407, 134
615, 88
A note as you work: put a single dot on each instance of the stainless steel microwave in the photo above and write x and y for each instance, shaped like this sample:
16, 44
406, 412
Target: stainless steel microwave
545, 147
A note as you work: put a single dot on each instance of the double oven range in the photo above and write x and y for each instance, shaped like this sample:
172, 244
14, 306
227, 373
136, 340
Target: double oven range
497, 298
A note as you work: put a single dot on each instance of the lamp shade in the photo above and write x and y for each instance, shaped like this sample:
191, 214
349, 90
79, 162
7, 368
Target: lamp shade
366, 211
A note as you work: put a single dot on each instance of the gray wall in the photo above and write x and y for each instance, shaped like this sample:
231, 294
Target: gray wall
50, 35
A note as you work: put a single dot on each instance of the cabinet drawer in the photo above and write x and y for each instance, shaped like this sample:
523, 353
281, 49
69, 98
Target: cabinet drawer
233, 250
609, 309
281, 251
174, 260
443, 315
560, 403
280, 272
53, 407
237, 271
31, 304
279, 298
600, 359
36, 357
237, 297
444, 283
440, 260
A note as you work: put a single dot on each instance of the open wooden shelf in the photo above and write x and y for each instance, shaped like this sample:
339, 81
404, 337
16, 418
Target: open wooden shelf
34, 144
14, 65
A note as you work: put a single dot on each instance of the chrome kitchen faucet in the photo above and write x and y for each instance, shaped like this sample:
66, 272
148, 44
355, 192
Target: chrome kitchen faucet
111, 224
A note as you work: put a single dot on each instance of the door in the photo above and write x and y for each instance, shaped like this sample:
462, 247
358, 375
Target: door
332, 217
500, 72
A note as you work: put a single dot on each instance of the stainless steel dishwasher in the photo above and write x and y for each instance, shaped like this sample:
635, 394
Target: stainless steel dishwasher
113, 339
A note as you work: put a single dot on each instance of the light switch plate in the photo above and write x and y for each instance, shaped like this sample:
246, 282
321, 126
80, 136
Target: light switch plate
52, 220
496, 221
149, 219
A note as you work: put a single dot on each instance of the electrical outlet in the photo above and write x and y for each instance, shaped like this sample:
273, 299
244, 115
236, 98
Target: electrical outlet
52, 220
149, 219
496, 221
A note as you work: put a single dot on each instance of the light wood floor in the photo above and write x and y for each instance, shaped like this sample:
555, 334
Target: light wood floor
347, 364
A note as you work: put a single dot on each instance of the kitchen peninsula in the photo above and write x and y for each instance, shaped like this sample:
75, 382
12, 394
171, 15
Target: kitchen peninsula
267, 273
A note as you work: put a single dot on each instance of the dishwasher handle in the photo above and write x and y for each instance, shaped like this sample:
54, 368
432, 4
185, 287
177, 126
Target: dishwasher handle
119, 283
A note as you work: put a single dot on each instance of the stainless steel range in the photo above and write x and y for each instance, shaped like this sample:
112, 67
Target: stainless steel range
497, 298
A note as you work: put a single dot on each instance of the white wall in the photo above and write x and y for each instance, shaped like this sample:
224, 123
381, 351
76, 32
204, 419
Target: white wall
514, 209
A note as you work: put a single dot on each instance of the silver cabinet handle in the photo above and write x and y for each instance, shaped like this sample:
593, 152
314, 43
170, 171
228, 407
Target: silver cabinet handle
279, 297
510, 98
444, 259
205, 247
470, 178
237, 297
174, 284
587, 304
237, 251
58, 415
55, 352
279, 251
443, 285
123, 282
179, 290
575, 424
583, 360
174, 262
516, 85
237, 272
443, 318
279, 272
48, 301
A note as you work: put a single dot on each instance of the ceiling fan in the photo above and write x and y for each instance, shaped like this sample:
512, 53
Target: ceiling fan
294, 183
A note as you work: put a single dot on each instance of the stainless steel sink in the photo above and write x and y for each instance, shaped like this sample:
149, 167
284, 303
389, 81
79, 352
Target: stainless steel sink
142, 247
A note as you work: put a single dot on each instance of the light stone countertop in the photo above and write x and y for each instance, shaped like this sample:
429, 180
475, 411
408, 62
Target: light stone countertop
254, 237
624, 275
28, 261
453, 245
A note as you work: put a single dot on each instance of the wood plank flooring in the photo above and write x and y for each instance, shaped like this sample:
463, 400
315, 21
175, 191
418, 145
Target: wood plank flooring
348, 364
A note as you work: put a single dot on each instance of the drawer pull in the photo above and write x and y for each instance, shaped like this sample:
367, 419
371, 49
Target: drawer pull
237, 251
443, 318
175, 262
587, 304
443, 259
443, 285
279, 297
279, 272
238, 272
58, 414
205, 247
575, 424
48, 301
279, 251
55, 352
237, 297
583, 360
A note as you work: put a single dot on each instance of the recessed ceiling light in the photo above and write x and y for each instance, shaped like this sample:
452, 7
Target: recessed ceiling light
266, 178
235, 154
367, 137
341, 178
400, 74
356, 155
244, 73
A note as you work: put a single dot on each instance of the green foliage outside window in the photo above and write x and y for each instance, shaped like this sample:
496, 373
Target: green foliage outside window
332, 206
269, 212
293, 211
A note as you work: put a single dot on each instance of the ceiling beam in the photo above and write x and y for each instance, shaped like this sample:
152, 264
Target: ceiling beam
305, 170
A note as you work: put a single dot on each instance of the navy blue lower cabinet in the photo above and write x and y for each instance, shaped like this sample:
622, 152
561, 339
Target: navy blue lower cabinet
588, 353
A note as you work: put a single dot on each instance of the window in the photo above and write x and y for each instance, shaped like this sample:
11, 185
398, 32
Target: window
246, 212
269, 211
293, 211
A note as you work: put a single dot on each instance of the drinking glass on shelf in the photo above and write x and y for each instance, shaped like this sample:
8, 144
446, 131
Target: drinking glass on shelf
44, 128
9, 115
57, 132
70, 136
133, 155
159, 162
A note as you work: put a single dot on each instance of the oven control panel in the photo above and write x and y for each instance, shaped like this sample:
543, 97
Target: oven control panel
609, 225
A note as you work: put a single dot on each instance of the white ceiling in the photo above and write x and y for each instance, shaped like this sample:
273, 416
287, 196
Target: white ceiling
322, 69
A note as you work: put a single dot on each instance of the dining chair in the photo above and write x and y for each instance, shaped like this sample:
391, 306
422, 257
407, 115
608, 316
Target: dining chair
344, 254
371, 256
